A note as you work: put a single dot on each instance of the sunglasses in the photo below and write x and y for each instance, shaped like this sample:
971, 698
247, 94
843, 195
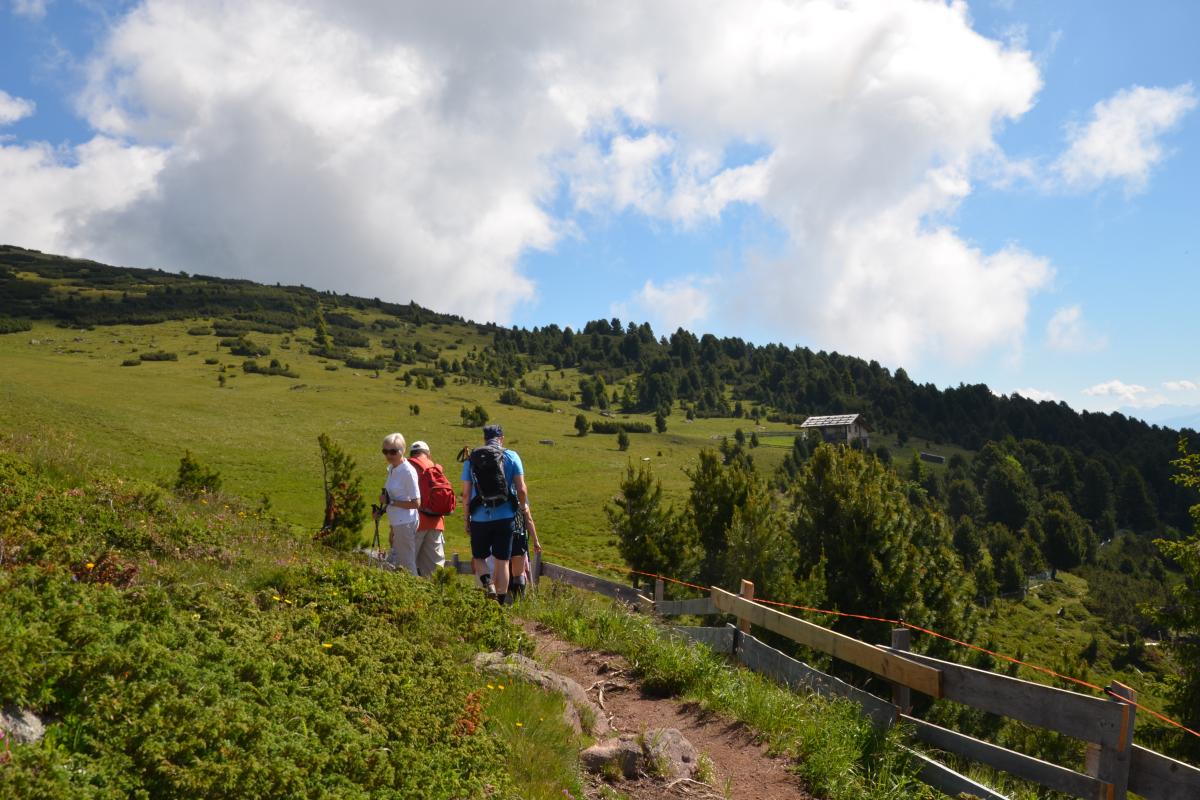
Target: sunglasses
390, 451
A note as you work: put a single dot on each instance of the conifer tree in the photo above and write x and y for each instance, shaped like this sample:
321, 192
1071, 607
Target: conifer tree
651, 537
1182, 612
345, 508
883, 555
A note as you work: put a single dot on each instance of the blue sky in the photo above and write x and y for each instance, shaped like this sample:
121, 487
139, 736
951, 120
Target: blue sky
999, 192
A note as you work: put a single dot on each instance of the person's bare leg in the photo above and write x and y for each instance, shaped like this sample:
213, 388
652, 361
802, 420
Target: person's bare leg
500, 578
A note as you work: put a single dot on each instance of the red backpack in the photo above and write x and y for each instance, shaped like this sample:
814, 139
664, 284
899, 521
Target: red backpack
437, 495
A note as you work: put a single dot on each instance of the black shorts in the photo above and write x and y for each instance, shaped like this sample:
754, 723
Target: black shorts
494, 538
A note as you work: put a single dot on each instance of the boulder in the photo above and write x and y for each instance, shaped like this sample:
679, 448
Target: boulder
661, 753
22, 727
581, 714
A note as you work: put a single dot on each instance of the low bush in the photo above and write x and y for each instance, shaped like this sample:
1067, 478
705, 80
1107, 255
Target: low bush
10, 325
274, 368
196, 649
158, 355
612, 426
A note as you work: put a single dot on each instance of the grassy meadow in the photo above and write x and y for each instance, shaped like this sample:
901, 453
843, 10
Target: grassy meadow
260, 431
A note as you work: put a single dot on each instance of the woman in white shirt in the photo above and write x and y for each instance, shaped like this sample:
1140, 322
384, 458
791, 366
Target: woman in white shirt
401, 497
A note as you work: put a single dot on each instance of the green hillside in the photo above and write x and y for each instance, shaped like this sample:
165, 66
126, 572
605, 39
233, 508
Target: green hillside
260, 431
131, 368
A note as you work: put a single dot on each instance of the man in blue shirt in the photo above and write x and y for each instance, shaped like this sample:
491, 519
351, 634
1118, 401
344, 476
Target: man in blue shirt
490, 521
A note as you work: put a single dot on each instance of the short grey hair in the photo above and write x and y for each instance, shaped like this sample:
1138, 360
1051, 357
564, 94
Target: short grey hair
395, 440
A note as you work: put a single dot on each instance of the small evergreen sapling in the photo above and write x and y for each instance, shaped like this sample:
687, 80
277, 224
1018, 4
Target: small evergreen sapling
345, 508
194, 478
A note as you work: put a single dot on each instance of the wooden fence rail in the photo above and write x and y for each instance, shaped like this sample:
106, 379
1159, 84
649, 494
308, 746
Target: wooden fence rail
1115, 765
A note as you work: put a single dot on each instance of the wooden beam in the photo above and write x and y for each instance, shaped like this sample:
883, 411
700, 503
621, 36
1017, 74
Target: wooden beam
768, 661
718, 639
902, 695
881, 662
746, 593
675, 608
1091, 719
944, 779
1158, 777
1111, 762
617, 591
1052, 776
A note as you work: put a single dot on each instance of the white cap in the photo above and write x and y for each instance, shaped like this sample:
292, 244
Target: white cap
418, 447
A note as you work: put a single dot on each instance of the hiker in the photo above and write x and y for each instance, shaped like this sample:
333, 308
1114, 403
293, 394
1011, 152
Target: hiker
523, 532
400, 498
493, 488
430, 541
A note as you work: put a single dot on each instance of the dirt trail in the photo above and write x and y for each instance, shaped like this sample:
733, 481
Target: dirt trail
744, 770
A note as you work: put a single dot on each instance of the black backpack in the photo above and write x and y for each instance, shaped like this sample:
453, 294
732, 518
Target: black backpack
487, 477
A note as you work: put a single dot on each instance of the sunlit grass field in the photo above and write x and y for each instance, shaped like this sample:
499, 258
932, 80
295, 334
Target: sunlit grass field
260, 432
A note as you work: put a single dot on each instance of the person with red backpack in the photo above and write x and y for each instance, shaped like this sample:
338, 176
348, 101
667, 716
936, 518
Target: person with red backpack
437, 500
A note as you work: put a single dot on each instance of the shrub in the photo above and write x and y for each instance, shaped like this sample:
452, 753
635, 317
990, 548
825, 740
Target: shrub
317, 678
612, 426
245, 346
345, 508
623, 441
200, 330
275, 368
131, 362
355, 362
158, 355
10, 325
473, 417
194, 478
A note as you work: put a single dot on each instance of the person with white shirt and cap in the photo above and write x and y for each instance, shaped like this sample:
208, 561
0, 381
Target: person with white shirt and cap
399, 500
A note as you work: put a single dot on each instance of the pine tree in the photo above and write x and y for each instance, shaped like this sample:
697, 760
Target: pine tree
345, 508
650, 537
883, 555
1182, 613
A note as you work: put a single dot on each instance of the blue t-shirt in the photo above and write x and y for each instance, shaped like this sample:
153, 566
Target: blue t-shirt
512, 468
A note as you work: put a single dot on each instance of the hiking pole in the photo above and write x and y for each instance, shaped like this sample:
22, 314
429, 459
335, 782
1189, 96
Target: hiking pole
376, 512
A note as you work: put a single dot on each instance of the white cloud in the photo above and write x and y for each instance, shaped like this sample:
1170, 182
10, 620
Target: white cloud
1037, 395
1067, 333
1129, 394
1121, 140
675, 304
1180, 386
13, 109
409, 150
33, 9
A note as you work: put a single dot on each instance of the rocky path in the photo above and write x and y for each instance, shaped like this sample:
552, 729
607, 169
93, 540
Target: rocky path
743, 768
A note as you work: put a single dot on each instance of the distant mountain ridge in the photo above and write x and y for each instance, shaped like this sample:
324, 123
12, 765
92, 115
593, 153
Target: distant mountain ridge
1173, 416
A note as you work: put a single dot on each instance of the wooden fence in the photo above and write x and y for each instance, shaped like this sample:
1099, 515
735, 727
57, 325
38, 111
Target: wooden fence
1114, 765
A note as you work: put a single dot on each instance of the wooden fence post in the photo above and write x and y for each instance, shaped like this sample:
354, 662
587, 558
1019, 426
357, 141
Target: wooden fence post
902, 695
454, 561
1111, 764
746, 592
535, 570
658, 590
